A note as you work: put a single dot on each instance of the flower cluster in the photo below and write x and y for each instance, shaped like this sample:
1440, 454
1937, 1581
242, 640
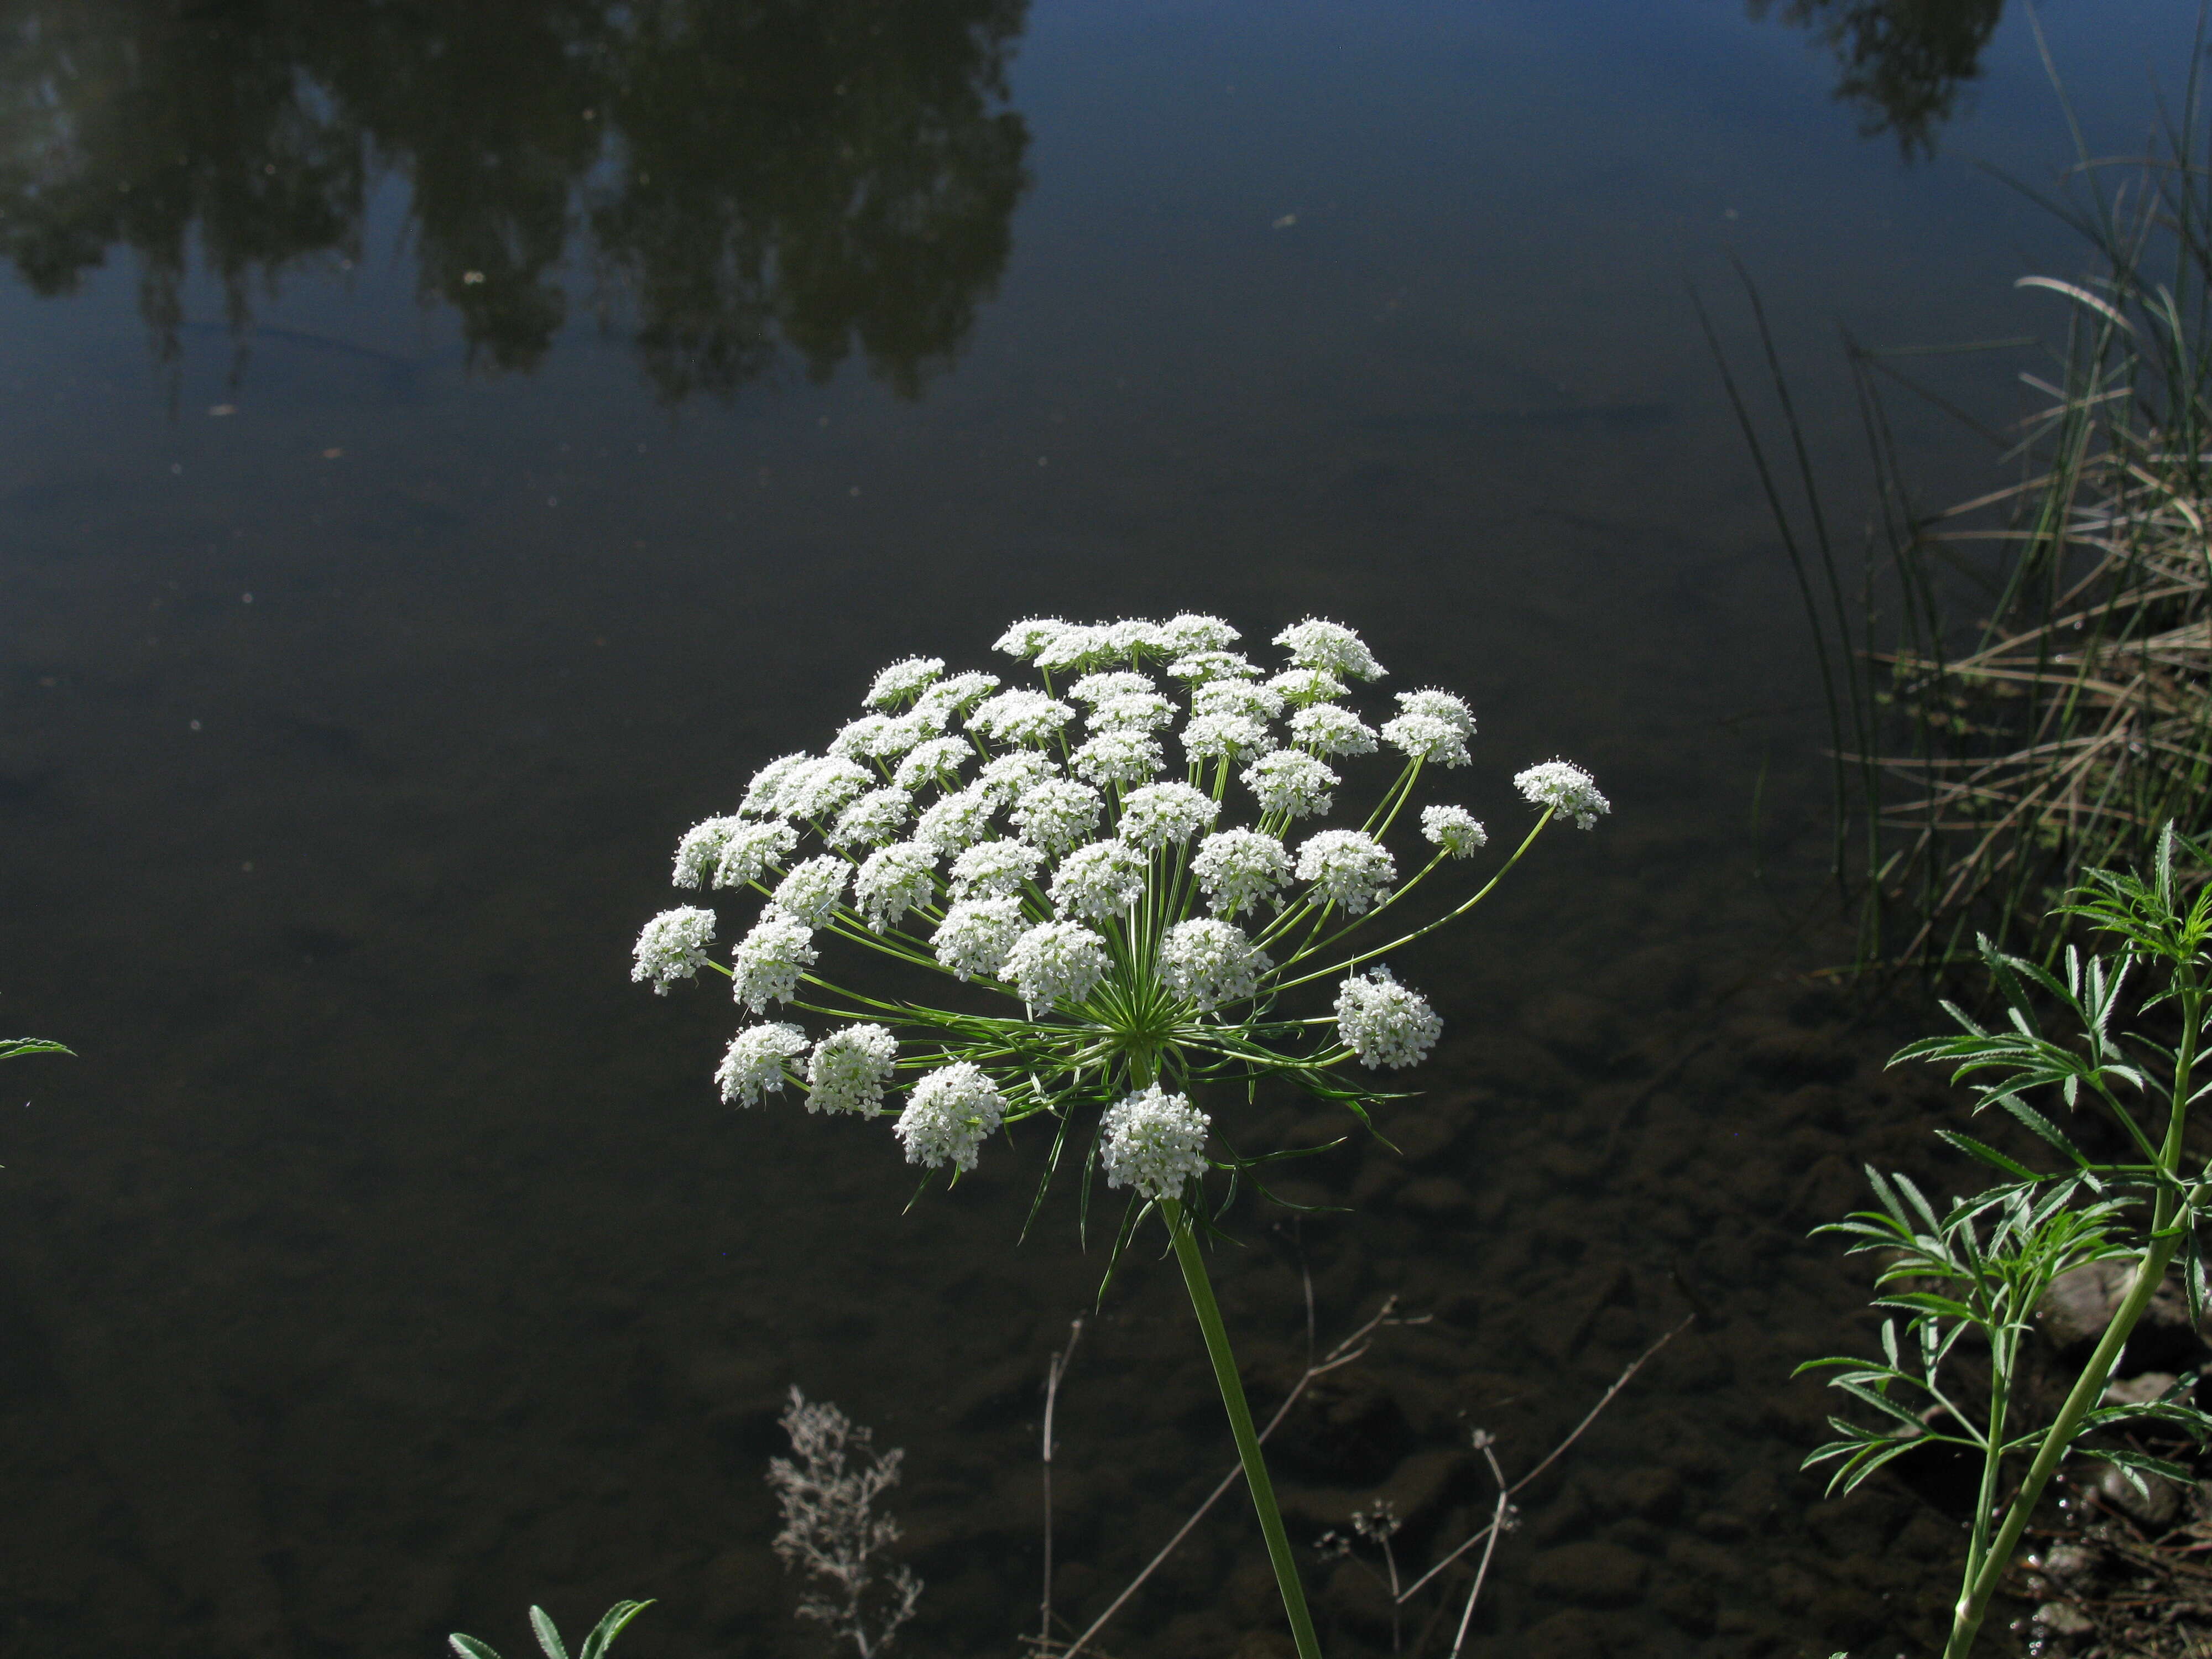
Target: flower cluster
1145, 853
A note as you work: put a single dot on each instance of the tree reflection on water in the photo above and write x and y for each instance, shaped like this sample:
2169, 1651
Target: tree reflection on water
1902, 62
735, 180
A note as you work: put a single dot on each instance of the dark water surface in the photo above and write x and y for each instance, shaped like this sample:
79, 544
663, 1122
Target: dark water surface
446, 450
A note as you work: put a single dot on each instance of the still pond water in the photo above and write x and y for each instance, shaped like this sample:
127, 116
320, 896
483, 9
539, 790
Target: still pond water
445, 452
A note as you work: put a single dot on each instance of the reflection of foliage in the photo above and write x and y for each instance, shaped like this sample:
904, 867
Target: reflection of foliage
1901, 61
747, 175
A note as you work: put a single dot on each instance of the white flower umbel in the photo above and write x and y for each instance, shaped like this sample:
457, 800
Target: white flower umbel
977, 935
1454, 829
758, 1062
1565, 787
872, 820
1105, 879
1017, 716
1211, 963
672, 946
1327, 729
950, 1113
812, 889
770, 960
1290, 784
1348, 867
1057, 965
1385, 1023
1119, 758
993, 869
1058, 815
935, 760
848, 1069
1330, 647
902, 681
893, 881
1162, 813
957, 822
1104, 979
1153, 1142
1238, 868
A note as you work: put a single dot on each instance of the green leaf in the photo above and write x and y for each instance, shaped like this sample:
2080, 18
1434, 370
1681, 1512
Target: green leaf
2133, 1462
2043, 1127
613, 1624
1989, 1155
1881, 1403
17, 1048
547, 1637
469, 1648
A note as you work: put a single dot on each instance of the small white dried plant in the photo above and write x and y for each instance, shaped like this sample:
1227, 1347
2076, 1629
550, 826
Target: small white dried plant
830, 1527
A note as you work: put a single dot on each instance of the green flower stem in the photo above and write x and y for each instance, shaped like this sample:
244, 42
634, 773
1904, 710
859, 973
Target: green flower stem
1985, 1572
1194, 1280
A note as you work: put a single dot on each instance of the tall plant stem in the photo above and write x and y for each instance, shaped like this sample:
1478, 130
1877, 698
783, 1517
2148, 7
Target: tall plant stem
1193, 1262
1986, 1571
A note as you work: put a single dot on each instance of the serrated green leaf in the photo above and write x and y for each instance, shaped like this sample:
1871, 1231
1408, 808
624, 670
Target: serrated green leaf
547, 1637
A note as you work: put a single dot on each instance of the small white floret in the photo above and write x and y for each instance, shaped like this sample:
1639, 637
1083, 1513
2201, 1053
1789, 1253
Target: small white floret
1160, 814
1348, 867
875, 819
820, 787
955, 822
672, 946
1223, 736
1153, 1142
1019, 716
1290, 782
1105, 879
764, 795
1025, 639
1058, 814
1122, 758
949, 1114
1190, 632
1426, 737
1326, 728
893, 881
752, 851
936, 760
1211, 963
1454, 829
1385, 1023
812, 889
701, 849
1331, 647
1300, 686
1132, 711
904, 680
1440, 706
1565, 786
864, 738
1056, 963
977, 935
1201, 667
1128, 638
993, 869
769, 960
848, 1069
1238, 868
956, 695
1249, 698
1094, 689
1078, 649
1009, 777
756, 1062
